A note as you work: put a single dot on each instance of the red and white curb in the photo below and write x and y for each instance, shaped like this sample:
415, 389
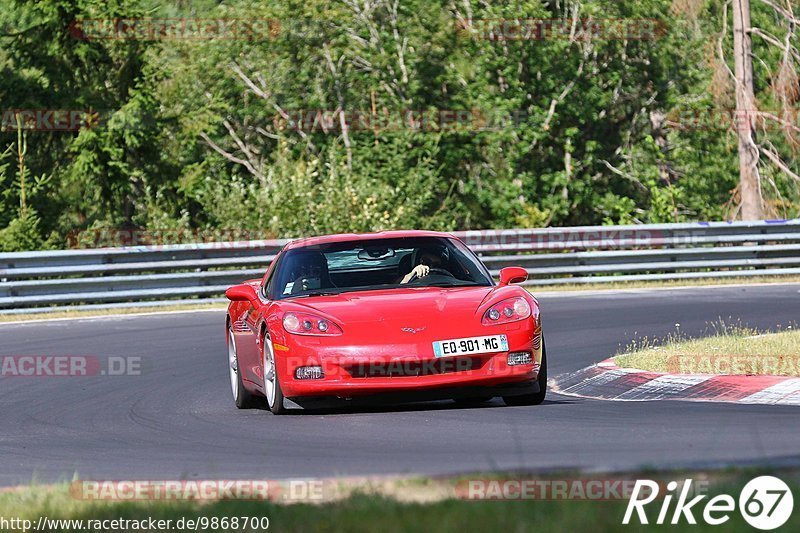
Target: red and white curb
608, 381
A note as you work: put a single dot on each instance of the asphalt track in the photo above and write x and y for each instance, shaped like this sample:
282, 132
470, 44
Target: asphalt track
176, 420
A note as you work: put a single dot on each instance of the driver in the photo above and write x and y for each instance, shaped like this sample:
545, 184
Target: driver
309, 272
428, 259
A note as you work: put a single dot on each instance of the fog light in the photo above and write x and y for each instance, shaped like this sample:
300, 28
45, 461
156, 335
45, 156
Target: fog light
309, 372
520, 358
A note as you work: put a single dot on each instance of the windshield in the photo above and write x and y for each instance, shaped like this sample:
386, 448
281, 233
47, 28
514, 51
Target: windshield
377, 264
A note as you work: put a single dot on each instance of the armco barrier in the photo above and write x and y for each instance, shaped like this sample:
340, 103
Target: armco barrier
167, 274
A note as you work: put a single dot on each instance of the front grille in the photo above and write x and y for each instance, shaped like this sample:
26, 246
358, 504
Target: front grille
447, 365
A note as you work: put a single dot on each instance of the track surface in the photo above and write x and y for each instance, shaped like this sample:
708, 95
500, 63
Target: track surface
177, 420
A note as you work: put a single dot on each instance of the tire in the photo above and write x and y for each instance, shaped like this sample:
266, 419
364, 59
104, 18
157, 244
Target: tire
537, 397
241, 396
272, 387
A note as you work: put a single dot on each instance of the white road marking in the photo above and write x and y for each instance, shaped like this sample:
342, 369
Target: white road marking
600, 379
669, 387
783, 393
663, 387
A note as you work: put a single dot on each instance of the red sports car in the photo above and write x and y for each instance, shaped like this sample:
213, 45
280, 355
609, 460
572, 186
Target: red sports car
401, 314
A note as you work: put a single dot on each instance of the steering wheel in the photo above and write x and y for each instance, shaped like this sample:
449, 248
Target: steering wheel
432, 271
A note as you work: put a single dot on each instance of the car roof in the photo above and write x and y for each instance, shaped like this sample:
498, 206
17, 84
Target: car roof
348, 237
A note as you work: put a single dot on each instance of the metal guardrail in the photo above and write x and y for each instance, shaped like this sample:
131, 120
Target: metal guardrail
157, 274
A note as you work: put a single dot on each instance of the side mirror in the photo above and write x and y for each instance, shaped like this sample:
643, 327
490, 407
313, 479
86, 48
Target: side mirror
510, 275
243, 293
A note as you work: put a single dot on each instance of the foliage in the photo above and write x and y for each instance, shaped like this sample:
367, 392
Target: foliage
192, 133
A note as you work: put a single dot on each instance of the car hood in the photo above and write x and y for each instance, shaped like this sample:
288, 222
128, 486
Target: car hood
418, 305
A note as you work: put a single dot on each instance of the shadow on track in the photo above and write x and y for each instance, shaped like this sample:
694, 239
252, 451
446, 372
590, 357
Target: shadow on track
376, 406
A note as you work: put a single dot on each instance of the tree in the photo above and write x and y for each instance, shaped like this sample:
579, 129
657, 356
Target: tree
749, 178
784, 93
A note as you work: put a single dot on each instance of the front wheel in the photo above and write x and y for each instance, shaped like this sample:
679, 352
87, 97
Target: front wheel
272, 383
537, 397
241, 396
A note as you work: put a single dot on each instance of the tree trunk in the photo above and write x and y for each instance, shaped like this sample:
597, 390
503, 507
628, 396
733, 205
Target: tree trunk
749, 179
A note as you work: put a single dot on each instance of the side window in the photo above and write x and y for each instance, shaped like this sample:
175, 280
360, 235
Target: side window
266, 288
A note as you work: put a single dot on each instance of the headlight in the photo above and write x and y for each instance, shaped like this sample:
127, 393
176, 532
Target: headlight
308, 324
509, 310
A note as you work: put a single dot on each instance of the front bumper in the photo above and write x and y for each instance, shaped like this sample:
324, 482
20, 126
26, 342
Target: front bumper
366, 370
417, 395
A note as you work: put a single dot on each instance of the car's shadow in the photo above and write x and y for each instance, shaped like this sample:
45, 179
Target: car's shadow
369, 407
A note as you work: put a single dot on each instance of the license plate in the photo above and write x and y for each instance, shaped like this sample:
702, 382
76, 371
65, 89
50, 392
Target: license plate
470, 345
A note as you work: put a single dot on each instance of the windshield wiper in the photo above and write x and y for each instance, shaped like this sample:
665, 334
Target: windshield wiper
316, 293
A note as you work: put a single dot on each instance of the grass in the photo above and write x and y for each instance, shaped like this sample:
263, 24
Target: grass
386, 510
731, 350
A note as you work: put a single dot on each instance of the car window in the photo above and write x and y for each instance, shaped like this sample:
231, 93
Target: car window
376, 264
266, 289
349, 259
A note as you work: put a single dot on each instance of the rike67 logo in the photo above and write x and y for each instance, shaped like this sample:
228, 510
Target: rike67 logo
765, 503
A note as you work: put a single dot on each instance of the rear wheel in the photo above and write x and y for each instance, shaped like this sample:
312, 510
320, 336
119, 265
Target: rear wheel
537, 397
272, 383
241, 396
